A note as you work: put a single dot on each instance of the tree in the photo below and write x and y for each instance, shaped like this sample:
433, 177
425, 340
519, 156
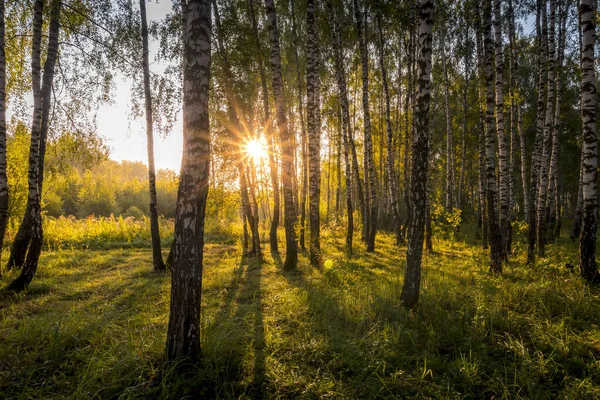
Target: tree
418, 184
539, 135
587, 242
553, 205
3, 177
370, 211
314, 131
481, 95
503, 150
392, 182
516, 107
494, 234
159, 265
183, 336
270, 138
42, 98
340, 75
21, 242
237, 139
291, 257
303, 138
548, 133
449, 144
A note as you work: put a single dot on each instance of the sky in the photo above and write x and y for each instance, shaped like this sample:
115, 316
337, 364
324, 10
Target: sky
127, 137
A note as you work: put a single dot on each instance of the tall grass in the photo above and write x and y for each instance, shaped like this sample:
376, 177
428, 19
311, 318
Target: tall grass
119, 232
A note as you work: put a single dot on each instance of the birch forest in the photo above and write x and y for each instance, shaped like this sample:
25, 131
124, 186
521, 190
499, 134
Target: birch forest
299, 199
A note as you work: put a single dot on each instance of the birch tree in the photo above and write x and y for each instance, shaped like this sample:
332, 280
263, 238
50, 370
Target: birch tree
370, 179
503, 149
418, 185
269, 136
303, 135
238, 140
494, 233
340, 75
183, 335
39, 133
3, 177
314, 131
291, 257
547, 138
449, 138
392, 182
157, 259
539, 136
587, 242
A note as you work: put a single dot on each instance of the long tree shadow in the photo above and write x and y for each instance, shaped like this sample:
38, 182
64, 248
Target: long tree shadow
250, 312
240, 320
259, 381
321, 304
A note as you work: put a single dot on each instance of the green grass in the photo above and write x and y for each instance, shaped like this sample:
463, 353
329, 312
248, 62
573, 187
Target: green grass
93, 325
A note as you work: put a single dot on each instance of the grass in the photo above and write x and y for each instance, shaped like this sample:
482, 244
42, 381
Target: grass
93, 325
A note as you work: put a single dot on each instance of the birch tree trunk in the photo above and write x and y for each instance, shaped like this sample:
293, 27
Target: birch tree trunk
495, 235
412, 277
370, 178
449, 144
482, 133
461, 182
314, 132
539, 138
338, 164
587, 242
38, 144
345, 119
577, 219
512, 71
392, 182
503, 149
3, 177
183, 336
252, 185
22, 239
237, 139
547, 141
303, 139
407, 132
270, 139
553, 206
291, 256
157, 259
516, 107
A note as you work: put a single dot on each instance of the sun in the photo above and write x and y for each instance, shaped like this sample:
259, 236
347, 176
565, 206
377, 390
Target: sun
256, 148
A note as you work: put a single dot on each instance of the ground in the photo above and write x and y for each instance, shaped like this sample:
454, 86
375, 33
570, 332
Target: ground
93, 325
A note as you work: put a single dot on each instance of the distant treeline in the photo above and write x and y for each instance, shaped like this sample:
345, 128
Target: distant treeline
82, 181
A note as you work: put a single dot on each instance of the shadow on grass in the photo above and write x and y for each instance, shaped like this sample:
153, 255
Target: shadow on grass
237, 326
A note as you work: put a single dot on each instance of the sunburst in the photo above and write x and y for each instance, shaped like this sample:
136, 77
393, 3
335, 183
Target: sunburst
256, 148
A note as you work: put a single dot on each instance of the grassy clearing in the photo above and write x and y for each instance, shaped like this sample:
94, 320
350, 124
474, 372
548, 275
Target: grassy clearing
93, 325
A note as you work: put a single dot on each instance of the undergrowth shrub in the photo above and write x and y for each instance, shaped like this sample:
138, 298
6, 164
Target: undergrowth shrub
445, 223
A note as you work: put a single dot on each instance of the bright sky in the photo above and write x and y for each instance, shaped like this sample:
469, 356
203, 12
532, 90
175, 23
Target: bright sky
127, 138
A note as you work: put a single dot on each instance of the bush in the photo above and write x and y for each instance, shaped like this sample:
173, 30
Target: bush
134, 213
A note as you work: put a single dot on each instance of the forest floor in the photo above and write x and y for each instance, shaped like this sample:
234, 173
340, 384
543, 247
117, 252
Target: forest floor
93, 325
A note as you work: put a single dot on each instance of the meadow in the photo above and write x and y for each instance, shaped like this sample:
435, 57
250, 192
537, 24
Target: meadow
93, 323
